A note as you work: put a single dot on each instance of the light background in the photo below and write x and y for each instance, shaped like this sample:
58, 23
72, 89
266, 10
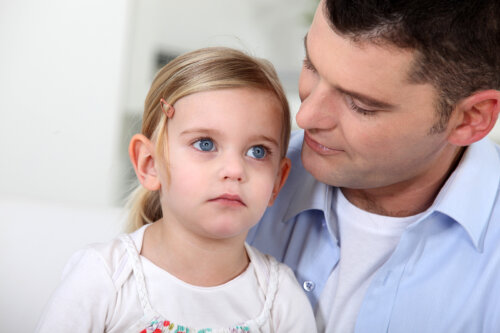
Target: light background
73, 78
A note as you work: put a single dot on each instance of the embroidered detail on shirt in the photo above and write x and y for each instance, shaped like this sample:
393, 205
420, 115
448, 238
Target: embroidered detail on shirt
165, 326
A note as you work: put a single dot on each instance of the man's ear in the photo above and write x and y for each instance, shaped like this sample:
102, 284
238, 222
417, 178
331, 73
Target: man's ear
474, 117
285, 166
141, 152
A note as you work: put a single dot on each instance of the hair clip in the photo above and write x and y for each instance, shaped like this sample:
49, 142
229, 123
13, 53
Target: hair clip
167, 109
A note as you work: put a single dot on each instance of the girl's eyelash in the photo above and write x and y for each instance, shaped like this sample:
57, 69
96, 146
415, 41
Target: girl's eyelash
268, 150
201, 138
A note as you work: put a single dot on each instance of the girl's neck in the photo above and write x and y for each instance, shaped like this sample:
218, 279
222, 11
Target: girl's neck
194, 260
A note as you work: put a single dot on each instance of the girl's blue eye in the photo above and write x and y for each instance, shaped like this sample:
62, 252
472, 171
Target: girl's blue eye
258, 152
204, 145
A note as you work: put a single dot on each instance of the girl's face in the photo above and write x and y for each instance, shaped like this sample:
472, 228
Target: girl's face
224, 162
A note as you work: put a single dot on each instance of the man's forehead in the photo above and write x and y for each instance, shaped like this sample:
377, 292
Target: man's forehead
324, 45
375, 72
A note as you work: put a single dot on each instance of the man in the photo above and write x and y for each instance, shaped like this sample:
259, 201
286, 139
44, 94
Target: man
390, 217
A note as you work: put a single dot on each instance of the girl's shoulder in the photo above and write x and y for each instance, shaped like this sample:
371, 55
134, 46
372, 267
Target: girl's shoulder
109, 258
88, 296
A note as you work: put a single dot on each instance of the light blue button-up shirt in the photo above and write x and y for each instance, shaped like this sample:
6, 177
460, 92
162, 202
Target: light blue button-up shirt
443, 276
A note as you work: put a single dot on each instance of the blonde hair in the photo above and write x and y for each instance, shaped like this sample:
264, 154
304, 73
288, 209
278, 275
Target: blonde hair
201, 70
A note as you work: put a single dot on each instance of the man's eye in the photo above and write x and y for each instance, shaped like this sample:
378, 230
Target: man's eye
358, 109
257, 152
204, 145
308, 65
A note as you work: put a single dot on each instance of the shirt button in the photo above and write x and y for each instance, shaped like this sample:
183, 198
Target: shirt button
308, 286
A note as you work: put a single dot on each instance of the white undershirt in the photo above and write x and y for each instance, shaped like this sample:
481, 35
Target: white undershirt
366, 241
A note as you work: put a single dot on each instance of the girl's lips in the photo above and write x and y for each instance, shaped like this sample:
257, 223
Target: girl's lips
319, 148
229, 200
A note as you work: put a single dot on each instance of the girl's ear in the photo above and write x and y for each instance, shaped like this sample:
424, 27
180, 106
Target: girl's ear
284, 170
141, 152
474, 117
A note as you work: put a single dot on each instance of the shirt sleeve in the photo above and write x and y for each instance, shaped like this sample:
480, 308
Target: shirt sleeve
291, 311
83, 299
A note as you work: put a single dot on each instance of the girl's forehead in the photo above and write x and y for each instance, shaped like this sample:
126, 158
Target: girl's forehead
241, 92
247, 110
232, 101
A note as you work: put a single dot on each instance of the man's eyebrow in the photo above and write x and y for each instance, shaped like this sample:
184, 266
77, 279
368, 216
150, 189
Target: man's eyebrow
367, 100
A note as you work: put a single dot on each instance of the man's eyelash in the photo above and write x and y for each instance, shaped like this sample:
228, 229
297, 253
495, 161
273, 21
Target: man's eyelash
358, 109
308, 65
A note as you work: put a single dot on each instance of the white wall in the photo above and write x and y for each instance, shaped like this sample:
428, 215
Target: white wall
269, 29
61, 65
36, 240
61, 80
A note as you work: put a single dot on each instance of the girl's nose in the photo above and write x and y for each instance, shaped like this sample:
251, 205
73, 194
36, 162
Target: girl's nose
233, 168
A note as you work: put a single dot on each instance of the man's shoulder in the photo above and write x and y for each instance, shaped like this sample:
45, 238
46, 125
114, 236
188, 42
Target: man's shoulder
298, 175
295, 146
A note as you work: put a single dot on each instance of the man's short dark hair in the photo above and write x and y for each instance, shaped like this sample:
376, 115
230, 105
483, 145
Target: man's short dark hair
457, 42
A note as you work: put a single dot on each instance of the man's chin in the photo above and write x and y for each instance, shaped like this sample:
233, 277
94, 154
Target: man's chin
322, 171
321, 167
334, 173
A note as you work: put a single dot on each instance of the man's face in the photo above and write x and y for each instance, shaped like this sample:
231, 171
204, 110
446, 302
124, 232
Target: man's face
365, 125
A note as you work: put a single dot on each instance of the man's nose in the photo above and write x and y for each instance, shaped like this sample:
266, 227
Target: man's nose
319, 108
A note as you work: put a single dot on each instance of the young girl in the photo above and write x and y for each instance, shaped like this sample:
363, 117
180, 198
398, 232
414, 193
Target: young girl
210, 159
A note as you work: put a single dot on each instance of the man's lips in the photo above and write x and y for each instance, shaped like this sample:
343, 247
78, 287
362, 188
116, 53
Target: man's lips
319, 148
232, 200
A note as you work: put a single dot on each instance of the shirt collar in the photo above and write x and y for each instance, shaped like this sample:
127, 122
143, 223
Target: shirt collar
308, 193
470, 192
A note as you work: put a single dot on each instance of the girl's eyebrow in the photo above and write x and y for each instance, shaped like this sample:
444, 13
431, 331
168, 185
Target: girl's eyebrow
265, 138
201, 130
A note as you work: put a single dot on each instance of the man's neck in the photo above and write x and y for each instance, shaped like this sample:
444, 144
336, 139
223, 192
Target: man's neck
408, 197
